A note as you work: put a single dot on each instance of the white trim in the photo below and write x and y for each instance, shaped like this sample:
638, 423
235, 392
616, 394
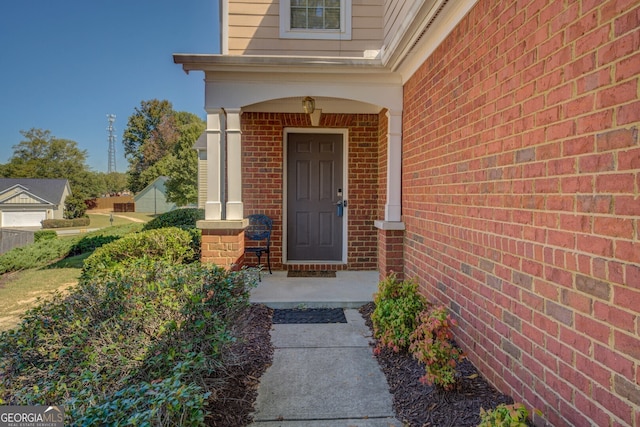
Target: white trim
345, 191
235, 207
393, 205
239, 89
412, 57
389, 225
215, 180
224, 26
344, 33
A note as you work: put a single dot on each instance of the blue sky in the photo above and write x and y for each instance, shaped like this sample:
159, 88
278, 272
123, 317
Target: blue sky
66, 64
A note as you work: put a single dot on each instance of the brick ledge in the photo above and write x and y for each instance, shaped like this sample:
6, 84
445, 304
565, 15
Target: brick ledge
222, 224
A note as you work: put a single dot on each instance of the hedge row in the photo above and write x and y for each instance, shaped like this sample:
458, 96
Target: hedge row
64, 223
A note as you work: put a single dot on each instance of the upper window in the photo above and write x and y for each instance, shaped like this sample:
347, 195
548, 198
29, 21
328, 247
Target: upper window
315, 19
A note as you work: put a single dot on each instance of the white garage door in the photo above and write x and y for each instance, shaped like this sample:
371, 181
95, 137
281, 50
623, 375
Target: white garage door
23, 219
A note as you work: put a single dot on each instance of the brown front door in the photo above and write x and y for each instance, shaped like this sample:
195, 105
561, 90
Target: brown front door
314, 187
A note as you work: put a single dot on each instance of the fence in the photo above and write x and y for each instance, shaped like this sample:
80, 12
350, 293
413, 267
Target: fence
108, 202
124, 207
10, 239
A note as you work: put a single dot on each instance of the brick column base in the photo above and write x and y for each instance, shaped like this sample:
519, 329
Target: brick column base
391, 253
223, 243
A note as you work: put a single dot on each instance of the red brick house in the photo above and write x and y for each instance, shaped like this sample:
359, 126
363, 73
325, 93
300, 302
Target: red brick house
488, 149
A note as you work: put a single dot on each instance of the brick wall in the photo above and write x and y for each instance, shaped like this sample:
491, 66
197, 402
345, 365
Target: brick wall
521, 177
224, 248
262, 192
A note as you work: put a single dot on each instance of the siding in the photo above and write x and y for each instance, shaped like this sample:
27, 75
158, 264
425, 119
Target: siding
254, 29
21, 200
395, 12
521, 173
202, 179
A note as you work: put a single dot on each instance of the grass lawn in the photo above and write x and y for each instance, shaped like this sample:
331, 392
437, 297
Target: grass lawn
123, 217
20, 291
101, 220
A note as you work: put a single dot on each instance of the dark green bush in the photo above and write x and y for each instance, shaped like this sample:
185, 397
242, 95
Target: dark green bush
66, 223
44, 235
90, 243
181, 218
395, 316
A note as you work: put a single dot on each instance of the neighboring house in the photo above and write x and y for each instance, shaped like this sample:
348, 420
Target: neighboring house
488, 149
153, 198
26, 202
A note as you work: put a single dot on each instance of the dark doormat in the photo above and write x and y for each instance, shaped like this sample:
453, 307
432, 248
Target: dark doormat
308, 315
312, 273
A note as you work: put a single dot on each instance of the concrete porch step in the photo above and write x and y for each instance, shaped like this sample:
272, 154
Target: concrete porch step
349, 289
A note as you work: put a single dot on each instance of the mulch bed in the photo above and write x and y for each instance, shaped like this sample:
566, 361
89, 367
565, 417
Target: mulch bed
420, 405
415, 404
245, 361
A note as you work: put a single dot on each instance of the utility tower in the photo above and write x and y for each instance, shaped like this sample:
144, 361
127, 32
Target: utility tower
112, 143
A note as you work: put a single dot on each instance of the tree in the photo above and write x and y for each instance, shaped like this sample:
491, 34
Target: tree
148, 137
74, 206
159, 141
41, 155
182, 186
113, 182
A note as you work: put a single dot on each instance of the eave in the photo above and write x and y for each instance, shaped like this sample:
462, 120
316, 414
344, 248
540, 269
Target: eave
272, 63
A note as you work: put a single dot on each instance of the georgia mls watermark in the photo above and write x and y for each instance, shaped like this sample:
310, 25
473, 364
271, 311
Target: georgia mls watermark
31, 416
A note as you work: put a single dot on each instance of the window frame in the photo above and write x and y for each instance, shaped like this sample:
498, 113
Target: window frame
344, 33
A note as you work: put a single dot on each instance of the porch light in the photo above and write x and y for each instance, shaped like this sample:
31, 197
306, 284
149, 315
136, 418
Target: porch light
309, 105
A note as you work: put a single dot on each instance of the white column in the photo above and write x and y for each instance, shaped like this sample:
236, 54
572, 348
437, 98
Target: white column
213, 204
235, 208
393, 207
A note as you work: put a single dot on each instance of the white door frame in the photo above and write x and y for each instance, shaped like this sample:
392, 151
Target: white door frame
345, 190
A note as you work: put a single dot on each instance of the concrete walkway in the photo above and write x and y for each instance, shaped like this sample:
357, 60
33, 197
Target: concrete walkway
323, 375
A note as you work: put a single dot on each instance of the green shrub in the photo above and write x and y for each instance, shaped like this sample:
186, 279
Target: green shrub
66, 223
90, 243
74, 206
167, 402
139, 341
44, 235
166, 244
397, 307
431, 344
37, 254
185, 219
43, 252
181, 218
134, 345
504, 416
